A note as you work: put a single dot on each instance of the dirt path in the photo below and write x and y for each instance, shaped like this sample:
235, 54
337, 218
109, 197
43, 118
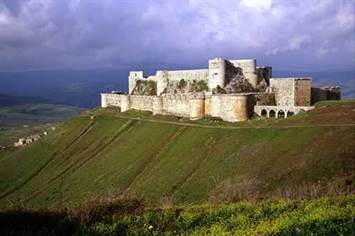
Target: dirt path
235, 127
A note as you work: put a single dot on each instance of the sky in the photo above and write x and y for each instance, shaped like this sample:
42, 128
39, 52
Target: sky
134, 34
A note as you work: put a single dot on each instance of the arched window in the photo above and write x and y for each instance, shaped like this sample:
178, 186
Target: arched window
290, 113
263, 113
272, 113
281, 114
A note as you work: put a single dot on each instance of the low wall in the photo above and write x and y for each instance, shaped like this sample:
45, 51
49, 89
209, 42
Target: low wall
111, 100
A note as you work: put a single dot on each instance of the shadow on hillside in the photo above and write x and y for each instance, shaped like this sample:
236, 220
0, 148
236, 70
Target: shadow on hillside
27, 222
320, 227
66, 221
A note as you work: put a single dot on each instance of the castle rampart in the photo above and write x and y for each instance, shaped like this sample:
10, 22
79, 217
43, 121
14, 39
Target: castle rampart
232, 90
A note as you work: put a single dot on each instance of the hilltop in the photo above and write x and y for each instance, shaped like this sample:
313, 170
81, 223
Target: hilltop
167, 159
82, 87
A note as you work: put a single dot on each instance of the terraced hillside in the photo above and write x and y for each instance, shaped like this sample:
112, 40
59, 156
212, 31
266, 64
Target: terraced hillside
169, 159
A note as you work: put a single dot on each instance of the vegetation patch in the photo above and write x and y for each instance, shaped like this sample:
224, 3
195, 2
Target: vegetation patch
145, 87
325, 216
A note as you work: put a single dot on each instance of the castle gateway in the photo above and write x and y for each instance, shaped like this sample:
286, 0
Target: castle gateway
232, 90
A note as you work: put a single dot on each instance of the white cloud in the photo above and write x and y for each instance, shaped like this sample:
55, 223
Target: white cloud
100, 32
258, 4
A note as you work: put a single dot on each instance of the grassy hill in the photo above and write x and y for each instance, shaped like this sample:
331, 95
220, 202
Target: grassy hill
175, 161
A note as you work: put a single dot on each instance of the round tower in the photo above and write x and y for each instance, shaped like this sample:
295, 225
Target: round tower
157, 105
197, 106
234, 108
103, 100
216, 73
125, 103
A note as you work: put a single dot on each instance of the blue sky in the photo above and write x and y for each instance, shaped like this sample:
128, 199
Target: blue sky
84, 34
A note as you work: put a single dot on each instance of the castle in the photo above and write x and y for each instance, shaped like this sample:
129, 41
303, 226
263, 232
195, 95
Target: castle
233, 90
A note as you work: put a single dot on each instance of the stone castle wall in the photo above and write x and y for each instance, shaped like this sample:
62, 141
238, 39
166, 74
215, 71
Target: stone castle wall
284, 90
219, 91
140, 102
111, 99
236, 107
292, 91
249, 70
176, 104
326, 93
216, 74
200, 74
303, 92
229, 107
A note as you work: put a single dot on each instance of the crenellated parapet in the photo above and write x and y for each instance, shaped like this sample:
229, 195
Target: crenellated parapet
227, 89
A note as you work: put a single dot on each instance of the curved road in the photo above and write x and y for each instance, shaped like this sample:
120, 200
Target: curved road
234, 127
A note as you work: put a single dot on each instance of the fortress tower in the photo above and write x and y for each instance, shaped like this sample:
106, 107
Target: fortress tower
133, 77
244, 88
216, 73
249, 70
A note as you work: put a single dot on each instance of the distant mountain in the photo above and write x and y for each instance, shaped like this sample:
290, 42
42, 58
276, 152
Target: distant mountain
17, 111
77, 88
8, 100
82, 88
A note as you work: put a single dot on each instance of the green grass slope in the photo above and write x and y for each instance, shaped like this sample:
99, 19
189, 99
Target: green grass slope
163, 158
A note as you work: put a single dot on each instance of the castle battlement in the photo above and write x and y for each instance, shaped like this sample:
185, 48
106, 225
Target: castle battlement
232, 90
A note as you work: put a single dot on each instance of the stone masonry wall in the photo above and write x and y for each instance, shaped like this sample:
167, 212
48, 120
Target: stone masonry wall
292, 91
213, 105
200, 74
140, 102
249, 70
111, 99
284, 91
234, 108
176, 104
326, 93
303, 92
230, 107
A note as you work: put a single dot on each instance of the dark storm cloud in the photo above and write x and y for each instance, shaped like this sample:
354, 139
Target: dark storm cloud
49, 34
